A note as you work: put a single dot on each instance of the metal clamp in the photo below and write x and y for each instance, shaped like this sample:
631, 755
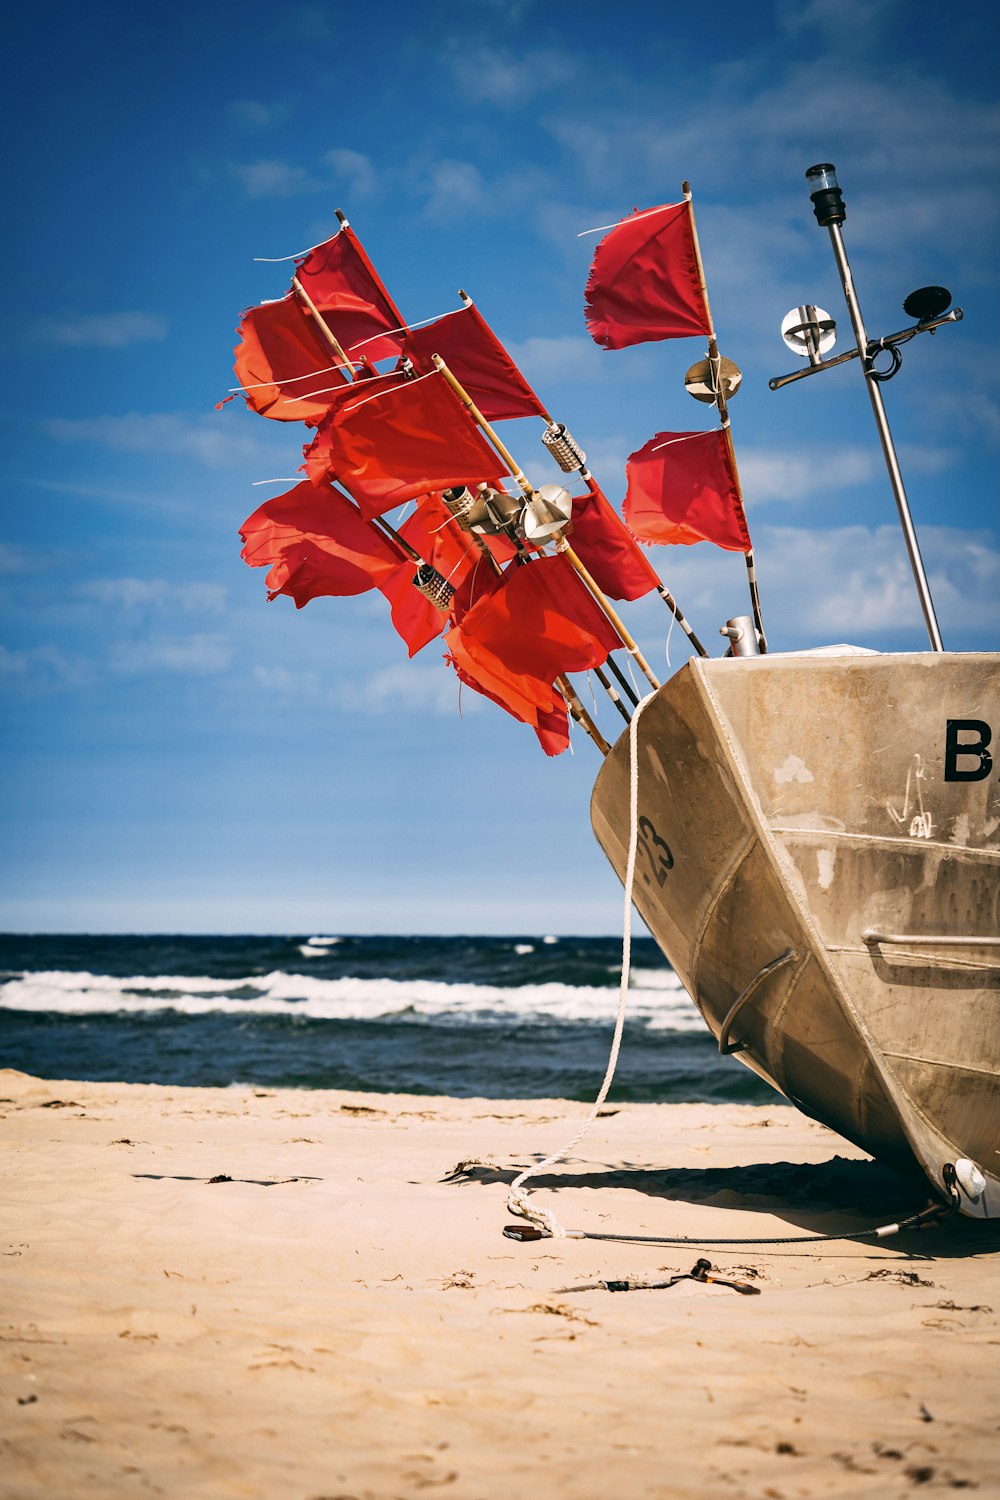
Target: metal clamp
726, 1047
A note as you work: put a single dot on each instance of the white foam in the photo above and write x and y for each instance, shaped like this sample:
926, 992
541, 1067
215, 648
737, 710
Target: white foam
524, 947
661, 1006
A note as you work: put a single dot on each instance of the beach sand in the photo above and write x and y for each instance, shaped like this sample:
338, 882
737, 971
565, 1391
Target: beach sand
332, 1318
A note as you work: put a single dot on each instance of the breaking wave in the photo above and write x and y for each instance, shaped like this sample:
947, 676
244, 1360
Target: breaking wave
657, 997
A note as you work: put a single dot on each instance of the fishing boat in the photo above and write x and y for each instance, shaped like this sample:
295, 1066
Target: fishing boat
812, 837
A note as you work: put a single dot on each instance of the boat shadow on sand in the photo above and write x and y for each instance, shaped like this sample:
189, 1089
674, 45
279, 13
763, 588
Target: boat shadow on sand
836, 1196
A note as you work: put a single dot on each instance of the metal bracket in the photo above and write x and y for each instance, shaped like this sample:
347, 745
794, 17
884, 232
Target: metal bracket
726, 1047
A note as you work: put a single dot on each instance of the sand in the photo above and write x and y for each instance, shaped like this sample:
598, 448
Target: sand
335, 1319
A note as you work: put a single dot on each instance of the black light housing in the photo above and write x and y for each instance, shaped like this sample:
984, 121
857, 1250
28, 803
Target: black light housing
927, 302
824, 190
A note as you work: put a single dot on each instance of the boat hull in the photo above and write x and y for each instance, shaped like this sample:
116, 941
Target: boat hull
818, 857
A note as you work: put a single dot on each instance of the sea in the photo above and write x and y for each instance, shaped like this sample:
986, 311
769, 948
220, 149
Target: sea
484, 1017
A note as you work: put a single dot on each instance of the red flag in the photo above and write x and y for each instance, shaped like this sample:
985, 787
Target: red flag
552, 727
607, 550
283, 355
315, 542
318, 455
403, 442
415, 619
644, 282
682, 488
342, 282
538, 623
478, 360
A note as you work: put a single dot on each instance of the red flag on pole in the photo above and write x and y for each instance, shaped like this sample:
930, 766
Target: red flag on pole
318, 454
537, 624
682, 488
405, 441
435, 535
552, 726
644, 282
609, 553
342, 282
478, 360
315, 543
281, 355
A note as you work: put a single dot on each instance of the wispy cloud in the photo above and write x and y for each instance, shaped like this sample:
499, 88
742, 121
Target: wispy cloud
272, 178
209, 439
255, 114
43, 667
103, 330
508, 79
566, 357
156, 594
422, 686
353, 171
845, 583
14, 559
191, 655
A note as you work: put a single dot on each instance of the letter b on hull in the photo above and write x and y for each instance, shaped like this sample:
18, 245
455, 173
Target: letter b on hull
973, 746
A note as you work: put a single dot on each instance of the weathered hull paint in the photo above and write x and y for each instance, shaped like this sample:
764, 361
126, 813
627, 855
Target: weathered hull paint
790, 807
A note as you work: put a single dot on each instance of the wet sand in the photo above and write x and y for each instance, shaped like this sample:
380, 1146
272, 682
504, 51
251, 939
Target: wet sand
223, 1292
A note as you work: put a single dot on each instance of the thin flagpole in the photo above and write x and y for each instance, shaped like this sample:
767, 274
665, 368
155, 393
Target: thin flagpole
723, 409
561, 545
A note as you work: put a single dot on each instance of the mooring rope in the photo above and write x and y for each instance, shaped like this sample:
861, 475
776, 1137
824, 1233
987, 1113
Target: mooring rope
518, 1198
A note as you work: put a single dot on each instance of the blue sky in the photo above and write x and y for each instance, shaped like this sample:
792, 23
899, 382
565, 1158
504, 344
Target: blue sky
178, 755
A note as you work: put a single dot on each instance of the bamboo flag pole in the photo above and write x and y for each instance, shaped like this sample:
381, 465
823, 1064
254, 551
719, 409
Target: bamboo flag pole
720, 401
595, 489
325, 328
377, 523
562, 545
581, 715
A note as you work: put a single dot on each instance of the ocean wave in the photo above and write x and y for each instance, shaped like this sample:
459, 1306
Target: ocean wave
656, 998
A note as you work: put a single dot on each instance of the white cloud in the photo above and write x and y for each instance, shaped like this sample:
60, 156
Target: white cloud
254, 114
211, 440
14, 559
567, 357
417, 686
846, 583
43, 666
455, 188
270, 178
156, 593
191, 655
293, 683
103, 330
498, 76
353, 170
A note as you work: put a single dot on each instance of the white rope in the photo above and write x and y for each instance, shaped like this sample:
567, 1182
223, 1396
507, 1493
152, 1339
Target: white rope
631, 218
684, 438
518, 1200
407, 327
291, 379
409, 385
275, 260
